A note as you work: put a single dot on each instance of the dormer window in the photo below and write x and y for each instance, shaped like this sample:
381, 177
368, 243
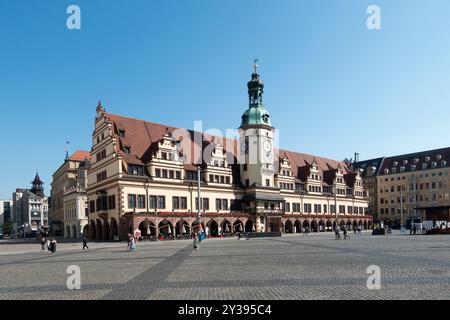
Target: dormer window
427, 158
395, 163
405, 162
443, 164
413, 168
121, 133
127, 150
386, 171
438, 157
416, 160
402, 169
394, 170
424, 166
433, 165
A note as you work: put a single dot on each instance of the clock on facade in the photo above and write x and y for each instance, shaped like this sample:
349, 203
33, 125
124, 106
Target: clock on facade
267, 146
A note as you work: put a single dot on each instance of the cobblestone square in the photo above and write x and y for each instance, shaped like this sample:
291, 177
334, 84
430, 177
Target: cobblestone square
292, 267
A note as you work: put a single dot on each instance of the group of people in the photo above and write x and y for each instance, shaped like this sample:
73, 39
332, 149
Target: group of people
48, 245
337, 232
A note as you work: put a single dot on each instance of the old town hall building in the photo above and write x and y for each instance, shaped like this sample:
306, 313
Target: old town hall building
144, 176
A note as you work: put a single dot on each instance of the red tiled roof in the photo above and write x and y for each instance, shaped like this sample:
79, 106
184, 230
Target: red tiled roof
141, 136
80, 155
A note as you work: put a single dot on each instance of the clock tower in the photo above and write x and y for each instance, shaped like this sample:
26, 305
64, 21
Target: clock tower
256, 138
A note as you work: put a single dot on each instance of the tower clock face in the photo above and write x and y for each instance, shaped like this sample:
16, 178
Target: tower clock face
267, 146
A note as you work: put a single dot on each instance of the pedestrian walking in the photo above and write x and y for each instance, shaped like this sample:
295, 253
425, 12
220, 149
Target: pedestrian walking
196, 244
85, 246
48, 244
133, 244
43, 242
53, 246
337, 233
345, 233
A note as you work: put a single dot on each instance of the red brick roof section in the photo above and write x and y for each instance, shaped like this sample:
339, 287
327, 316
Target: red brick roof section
80, 155
141, 135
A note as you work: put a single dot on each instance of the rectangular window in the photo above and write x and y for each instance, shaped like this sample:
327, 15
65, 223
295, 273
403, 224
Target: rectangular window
132, 201
111, 202
158, 173
218, 204
342, 209
135, 170
175, 203
101, 176
183, 203
141, 202
287, 207
224, 204
153, 204
332, 208
127, 150
161, 202
228, 180
267, 183
178, 175
205, 204
92, 206
325, 208
171, 174
164, 173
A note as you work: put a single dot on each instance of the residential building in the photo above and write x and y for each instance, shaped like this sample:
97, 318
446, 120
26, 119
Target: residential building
413, 187
30, 209
63, 177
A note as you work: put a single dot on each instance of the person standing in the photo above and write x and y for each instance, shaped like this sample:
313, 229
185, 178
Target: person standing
43, 241
53, 246
132, 244
196, 243
85, 246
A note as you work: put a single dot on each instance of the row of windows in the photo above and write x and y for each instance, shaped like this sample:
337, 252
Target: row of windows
417, 186
136, 170
103, 203
308, 208
426, 175
286, 186
168, 174
314, 189
219, 179
178, 203
413, 167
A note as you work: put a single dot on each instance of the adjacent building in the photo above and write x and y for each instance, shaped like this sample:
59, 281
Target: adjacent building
5, 211
30, 209
410, 188
145, 176
65, 176
75, 203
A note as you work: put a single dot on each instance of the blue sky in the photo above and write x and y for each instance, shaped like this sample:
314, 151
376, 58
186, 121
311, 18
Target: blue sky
333, 87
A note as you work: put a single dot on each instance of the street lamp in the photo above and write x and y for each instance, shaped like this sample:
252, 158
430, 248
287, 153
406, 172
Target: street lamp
199, 213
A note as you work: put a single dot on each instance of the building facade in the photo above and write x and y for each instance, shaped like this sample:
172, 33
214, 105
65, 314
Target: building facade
75, 203
145, 176
65, 176
413, 187
30, 209
5, 211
